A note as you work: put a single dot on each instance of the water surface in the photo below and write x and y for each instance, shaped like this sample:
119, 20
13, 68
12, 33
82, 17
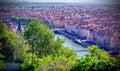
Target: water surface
72, 45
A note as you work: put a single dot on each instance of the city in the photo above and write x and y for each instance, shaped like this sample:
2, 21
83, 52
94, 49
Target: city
59, 36
97, 24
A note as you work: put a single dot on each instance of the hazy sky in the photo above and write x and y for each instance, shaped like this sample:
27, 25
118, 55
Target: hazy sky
83, 1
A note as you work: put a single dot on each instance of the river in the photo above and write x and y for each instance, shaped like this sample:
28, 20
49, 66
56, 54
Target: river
72, 45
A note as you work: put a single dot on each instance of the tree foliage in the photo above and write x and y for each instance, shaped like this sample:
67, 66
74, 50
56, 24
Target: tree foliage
97, 60
45, 49
63, 61
9, 43
1, 62
39, 37
58, 63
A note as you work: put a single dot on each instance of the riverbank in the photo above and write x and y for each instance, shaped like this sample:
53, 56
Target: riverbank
82, 40
79, 49
77, 39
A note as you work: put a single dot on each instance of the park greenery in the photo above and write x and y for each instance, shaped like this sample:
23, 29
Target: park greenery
39, 50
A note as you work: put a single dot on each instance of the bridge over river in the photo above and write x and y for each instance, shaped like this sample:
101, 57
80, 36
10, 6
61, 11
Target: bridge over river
82, 50
89, 50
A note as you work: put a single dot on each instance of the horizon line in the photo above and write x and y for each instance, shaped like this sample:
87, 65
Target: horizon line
59, 2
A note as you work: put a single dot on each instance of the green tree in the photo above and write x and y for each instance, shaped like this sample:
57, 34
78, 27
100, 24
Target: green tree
45, 46
41, 39
9, 43
1, 62
63, 61
97, 60
58, 63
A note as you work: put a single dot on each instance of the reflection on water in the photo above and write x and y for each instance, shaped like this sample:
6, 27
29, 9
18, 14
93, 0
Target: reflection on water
72, 45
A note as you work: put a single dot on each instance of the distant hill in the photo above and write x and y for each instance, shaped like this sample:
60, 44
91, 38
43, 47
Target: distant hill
42, 4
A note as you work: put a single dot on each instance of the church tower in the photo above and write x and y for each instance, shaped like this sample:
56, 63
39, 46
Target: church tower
19, 29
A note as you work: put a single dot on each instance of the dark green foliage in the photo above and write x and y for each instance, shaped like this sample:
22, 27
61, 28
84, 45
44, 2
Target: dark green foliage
1, 62
9, 43
2, 30
2, 27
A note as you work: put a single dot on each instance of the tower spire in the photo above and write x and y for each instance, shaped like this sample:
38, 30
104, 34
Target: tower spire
19, 26
19, 29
